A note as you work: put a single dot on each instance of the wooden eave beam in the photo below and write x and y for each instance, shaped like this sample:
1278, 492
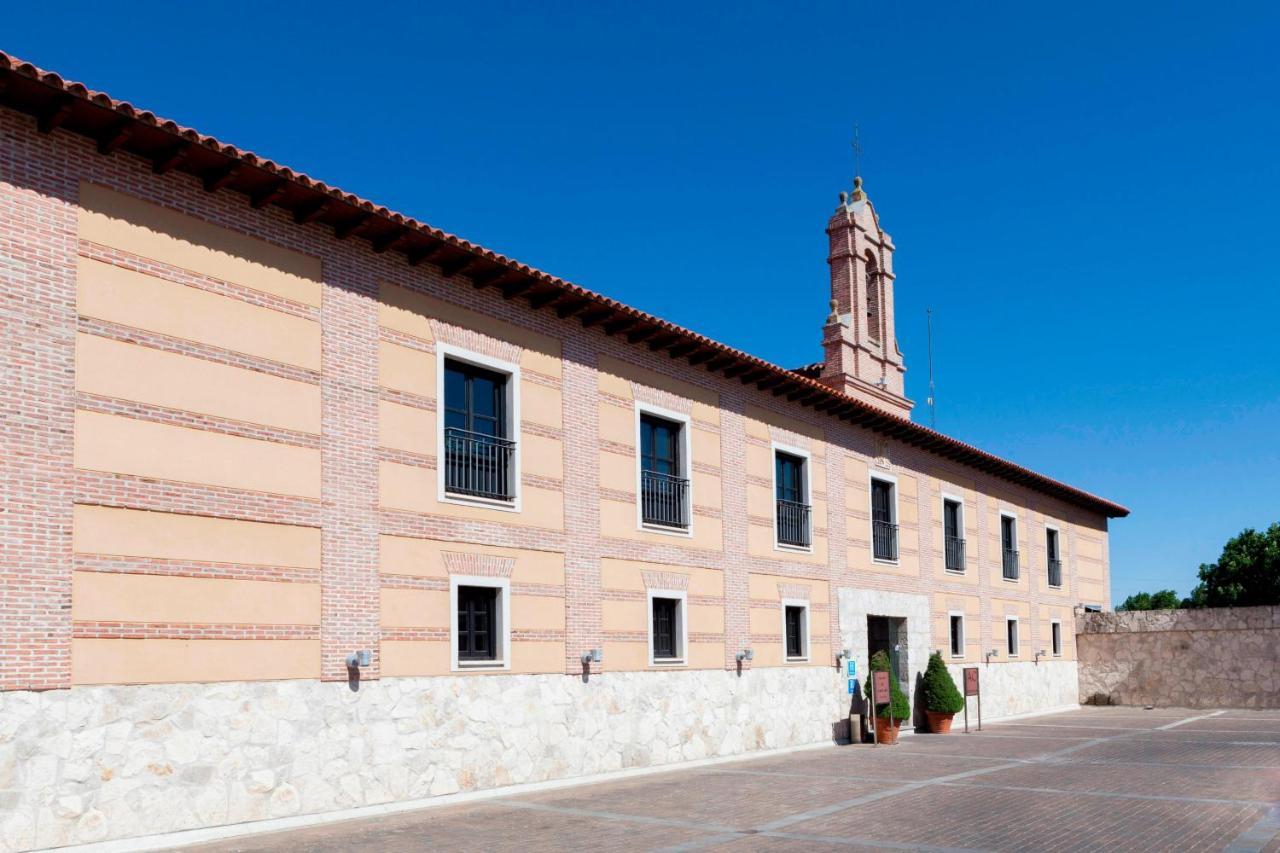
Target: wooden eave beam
637, 335
266, 196
216, 179
684, 349
485, 277
512, 285
752, 375
347, 227
621, 325
458, 266
115, 136
55, 114
571, 307
599, 315
736, 369
700, 356
769, 381
170, 160
544, 298
417, 257
383, 242
721, 362
662, 340
310, 211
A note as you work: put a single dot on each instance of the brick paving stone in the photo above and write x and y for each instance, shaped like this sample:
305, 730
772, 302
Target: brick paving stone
1119, 783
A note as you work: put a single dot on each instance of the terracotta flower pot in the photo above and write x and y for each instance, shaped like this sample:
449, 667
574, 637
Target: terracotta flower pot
886, 732
939, 722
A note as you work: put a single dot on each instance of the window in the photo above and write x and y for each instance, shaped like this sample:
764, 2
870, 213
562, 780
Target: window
884, 528
666, 627
1009, 546
792, 514
479, 622
957, 635
953, 534
1055, 631
1011, 636
873, 299
1054, 560
477, 430
795, 626
664, 488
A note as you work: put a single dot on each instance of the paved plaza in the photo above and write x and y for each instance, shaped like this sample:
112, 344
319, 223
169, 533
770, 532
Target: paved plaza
1093, 779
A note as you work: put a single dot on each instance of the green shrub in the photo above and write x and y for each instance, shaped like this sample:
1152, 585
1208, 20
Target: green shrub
898, 707
940, 692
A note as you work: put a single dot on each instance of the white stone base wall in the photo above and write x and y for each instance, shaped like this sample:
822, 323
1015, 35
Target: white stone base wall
95, 763
1021, 687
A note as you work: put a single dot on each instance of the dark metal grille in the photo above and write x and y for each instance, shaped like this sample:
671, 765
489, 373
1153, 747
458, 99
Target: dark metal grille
955, 554
884, 540
1010, 564
664, 499
793, 523
478, 465
664, 628
1055, 572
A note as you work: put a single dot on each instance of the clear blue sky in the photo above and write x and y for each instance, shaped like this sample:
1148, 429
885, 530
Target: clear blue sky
1086, 196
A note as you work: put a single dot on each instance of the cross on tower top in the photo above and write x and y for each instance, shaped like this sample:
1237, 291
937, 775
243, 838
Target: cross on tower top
856, 145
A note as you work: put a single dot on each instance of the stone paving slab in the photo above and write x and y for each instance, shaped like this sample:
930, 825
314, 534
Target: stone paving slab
1098, 779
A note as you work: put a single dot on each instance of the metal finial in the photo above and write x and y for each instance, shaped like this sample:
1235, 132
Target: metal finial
856, 144
834, 316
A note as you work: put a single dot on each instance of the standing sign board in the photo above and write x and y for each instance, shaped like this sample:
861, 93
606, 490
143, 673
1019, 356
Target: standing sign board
971, 688
879, 696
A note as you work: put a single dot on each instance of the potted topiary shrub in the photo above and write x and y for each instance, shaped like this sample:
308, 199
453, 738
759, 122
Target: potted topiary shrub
942, 699
889, 716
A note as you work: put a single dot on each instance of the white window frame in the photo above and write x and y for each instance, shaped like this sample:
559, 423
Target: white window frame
892, 479
1057, 648
682, 616
951, 654
686, 449
804, 637
774, 449
449, 352
1017, 535
942, 505
1016, 649
1058, 531
503, 585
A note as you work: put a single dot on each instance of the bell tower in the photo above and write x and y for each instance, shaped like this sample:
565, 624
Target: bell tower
861, 355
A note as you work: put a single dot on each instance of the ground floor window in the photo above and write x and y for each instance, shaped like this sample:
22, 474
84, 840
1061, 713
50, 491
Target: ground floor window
1055, 628
478, 626
795, 623
666, 627
957, 635
1011, 636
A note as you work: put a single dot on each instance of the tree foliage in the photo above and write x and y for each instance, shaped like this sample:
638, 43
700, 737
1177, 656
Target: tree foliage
898, 707
940, 692
1246, 575
1164, 599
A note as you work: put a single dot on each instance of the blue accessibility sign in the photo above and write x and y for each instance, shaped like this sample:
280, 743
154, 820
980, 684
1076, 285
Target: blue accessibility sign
851, 668
853, 686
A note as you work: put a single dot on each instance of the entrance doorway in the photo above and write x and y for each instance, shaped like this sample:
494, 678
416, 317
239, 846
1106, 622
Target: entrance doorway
888, 634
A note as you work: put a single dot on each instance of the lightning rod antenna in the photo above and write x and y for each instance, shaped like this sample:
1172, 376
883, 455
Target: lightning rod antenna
933, 403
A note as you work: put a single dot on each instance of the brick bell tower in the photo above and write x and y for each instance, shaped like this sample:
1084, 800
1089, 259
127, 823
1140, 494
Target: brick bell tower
861, 355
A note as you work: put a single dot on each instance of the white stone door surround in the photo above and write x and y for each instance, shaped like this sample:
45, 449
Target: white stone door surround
857, 604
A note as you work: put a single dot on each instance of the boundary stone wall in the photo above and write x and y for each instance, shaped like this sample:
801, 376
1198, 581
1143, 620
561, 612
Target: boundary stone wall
1226, 657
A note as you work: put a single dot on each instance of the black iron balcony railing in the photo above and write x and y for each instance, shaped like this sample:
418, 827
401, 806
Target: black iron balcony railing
664, 499
793, 524
884, 540
1055, 572
1011, 564
478, 465
955, 554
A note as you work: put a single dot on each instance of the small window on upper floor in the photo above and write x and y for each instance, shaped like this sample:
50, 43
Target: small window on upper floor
884, 520
1009, 547
479, 449
664, 480
1054, 559
792, 507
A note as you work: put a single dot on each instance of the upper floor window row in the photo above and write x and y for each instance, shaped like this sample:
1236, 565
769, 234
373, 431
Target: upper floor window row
792, 510
478, 432
664, 472
884, 519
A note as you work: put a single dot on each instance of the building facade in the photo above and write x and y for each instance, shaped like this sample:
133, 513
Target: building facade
309, 506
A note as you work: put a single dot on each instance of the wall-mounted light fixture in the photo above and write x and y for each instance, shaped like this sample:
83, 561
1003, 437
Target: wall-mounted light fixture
1039, 655
746, 654
592, 656
355, 660
994, 653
